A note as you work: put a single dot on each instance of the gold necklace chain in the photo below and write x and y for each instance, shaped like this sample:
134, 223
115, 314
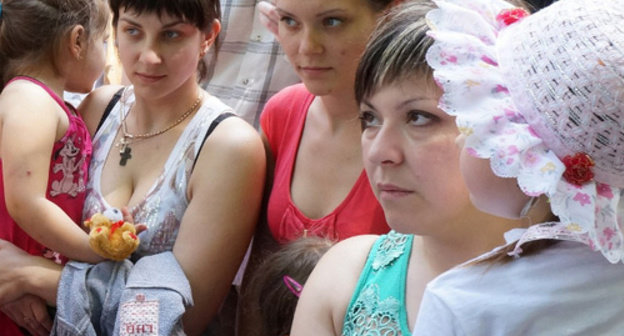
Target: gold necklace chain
131, 136
128, 138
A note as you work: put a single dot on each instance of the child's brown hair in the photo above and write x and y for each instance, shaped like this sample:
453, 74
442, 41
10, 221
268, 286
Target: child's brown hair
32, 31
271, 297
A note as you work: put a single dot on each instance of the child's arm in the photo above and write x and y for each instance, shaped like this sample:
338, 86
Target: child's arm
28, 133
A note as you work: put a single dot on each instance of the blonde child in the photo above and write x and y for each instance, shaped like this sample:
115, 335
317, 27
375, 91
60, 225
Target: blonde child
46, 47
540, 99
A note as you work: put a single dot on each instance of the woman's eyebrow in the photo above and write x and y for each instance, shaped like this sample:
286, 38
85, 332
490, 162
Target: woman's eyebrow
134, 23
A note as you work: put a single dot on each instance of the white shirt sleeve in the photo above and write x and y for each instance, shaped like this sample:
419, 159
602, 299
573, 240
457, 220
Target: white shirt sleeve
435, 317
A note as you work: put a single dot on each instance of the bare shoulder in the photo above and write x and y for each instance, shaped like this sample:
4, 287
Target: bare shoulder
92, 106
234, 133
22, 94
344, 262
327, 293
234, 152
349, 255
24, 102
233, 140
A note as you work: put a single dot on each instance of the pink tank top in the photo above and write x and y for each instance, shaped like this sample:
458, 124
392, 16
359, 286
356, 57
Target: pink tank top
69, 162
67, 177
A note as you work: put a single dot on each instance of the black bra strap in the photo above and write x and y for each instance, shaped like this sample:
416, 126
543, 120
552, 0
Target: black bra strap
109, 108
213, 125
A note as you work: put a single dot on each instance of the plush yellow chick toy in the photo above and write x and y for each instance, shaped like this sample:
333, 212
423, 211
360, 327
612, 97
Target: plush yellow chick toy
110, 236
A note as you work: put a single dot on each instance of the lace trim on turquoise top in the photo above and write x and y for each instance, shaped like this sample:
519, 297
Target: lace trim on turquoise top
389, 250
378, 303
371, 316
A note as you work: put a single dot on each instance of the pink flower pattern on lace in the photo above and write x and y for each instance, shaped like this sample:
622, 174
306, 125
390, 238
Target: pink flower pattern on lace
499, 88
582, 198
530, 159
488, 60
608, 233
532, 131
448, 58
604, 190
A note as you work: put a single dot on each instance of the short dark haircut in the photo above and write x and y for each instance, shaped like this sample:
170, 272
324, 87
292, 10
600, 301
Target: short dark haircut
396, 50
200, 13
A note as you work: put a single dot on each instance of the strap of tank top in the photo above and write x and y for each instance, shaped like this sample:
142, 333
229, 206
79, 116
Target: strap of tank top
109, 108
213, 125
52, 94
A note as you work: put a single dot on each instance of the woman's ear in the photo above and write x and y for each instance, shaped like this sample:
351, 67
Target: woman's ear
77, 41
210, 37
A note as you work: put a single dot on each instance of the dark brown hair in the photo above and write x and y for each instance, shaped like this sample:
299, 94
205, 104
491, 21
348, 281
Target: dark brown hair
32, 31
200, 13
396, 49
269, 295
380, 5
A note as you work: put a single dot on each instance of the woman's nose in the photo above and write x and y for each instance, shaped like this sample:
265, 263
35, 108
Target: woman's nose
385, 147
150, 54
310, 42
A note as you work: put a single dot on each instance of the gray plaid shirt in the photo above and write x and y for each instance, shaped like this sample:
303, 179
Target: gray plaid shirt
250, 66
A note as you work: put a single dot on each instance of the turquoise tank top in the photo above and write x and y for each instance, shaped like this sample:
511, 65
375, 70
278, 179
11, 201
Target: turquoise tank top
377, 306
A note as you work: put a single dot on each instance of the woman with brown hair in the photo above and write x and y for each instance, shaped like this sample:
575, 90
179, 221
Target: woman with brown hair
373, 284
172, 154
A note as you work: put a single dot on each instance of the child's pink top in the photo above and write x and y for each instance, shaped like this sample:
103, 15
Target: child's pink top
67, 178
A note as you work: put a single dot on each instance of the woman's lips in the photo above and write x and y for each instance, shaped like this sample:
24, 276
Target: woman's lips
149, 78
391, 191
314, 70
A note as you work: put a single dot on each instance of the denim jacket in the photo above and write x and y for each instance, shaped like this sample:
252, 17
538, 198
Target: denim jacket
121, 299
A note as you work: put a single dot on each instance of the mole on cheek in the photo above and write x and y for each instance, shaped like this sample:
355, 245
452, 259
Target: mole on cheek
28, 173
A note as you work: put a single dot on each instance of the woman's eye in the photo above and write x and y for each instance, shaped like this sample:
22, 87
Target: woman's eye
288, 21
170, 34
419, 118
131, 31
368, 119
332, 22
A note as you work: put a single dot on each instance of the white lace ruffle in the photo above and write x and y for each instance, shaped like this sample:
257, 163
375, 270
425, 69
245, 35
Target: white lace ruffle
464, 59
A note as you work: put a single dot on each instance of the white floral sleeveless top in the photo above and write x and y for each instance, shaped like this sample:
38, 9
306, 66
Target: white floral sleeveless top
166, 201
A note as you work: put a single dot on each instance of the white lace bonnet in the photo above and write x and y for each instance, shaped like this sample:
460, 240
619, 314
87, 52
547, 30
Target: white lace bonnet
542, 97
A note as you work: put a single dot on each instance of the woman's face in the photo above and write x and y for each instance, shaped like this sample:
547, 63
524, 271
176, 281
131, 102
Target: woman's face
411, 158
323, 40
490, 193
160, 53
